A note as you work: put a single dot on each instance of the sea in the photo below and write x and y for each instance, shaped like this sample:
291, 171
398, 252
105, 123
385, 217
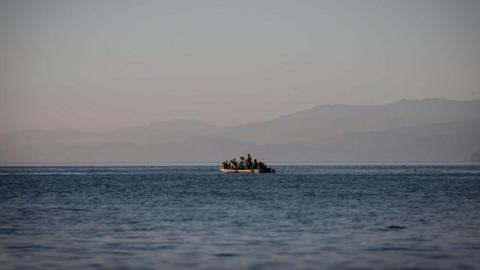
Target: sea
323, 216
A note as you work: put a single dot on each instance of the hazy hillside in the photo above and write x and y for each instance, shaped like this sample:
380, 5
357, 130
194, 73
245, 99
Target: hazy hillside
157, 132
331, 120
433, 142
426, 130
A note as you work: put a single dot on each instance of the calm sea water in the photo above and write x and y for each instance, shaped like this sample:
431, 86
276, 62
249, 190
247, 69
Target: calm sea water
303, 217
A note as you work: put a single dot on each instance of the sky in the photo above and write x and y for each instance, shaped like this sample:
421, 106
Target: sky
101, 65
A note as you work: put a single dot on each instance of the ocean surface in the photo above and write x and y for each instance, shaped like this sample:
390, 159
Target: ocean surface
194, 217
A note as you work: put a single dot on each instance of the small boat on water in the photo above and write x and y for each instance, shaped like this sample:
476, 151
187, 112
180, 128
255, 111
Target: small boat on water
246, 165
252, 171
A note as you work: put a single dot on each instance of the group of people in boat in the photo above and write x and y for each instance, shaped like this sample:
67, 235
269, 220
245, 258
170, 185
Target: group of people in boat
244, 164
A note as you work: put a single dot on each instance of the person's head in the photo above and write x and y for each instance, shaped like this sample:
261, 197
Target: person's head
255, 160
242, 158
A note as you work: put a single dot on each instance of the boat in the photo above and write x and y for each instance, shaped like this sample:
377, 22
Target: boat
245, 166
248, 171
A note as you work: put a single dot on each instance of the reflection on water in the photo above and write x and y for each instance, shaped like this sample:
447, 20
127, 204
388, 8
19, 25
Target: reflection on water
308, 217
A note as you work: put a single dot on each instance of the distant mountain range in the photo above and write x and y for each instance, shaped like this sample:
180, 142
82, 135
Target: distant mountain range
328, 121
407, 130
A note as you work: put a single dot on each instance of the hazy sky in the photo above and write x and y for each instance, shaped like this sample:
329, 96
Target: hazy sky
93, 65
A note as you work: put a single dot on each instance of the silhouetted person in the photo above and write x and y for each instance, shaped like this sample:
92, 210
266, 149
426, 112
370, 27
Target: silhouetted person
243, 163
255, 164
249, 161
261, 166
235, 164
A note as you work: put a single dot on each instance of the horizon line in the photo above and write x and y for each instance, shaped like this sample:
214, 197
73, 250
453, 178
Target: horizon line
199, 163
